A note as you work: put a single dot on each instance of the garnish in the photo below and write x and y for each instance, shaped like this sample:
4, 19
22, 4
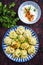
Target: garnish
8, 16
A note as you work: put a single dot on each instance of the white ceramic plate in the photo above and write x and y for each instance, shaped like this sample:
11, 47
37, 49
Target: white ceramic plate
37, 14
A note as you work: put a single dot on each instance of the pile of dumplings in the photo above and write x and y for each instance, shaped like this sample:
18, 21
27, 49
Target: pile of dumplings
20, 42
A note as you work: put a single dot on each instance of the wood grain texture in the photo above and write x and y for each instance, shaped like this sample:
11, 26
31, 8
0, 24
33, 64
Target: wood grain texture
38, 27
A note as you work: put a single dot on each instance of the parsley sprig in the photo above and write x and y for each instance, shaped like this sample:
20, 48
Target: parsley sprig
8, 16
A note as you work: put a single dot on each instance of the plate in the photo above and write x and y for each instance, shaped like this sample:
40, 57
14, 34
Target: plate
21, 14
20, 59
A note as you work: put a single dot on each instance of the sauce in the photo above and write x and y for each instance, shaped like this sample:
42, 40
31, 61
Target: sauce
32, 10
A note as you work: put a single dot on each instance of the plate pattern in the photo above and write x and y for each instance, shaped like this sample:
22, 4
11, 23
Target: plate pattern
20, 59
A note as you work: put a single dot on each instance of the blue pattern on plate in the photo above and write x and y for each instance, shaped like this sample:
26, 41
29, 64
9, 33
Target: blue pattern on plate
20, 59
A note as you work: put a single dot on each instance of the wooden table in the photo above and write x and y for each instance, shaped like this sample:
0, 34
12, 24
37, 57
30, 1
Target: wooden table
38, 27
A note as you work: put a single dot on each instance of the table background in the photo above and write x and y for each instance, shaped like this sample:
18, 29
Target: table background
38, 27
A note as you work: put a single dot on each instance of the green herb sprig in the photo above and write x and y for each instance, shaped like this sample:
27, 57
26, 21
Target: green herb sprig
8, 16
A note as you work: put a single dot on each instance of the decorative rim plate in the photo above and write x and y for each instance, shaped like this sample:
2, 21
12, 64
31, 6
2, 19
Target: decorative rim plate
20, 59
29, 3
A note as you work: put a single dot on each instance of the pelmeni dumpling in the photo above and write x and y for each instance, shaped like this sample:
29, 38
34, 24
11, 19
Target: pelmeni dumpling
21, 38
23, 53
27, 33
31, 50
25, 45
17, 53
33, 41
12, 34
10, 50
15, 44
20, 30
20, 42
7, 40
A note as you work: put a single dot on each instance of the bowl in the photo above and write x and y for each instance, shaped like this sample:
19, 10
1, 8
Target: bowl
37, 14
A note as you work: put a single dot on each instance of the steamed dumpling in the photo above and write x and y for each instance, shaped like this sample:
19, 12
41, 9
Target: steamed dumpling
33, 41
25, 45
7, 40
23, 53
15, 44
17, 53
12, 34
20, 42
9, 50
20, 30
21, 38
27, 33
31, 50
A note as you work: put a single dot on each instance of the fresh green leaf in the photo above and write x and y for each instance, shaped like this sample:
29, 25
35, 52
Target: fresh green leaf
5, 9
5, 6
5, 25
1, 8
1, 19
13, 13
29, 8
8, 16
15, 20
0, 4
12, 5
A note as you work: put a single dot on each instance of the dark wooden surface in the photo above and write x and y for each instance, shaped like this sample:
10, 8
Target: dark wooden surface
38, 27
